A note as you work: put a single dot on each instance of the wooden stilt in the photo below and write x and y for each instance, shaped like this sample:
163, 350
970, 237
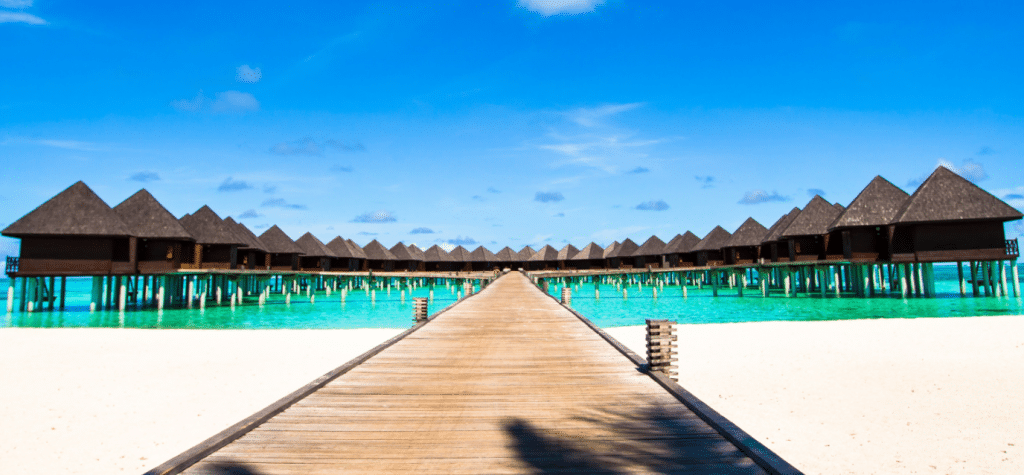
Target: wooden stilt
10, 295
1002, 279
960, 278
122, 285
903, 280
869, 279
31, 304
1013, 271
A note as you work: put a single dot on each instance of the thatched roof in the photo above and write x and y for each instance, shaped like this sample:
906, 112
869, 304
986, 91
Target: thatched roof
653, 246
76, 211
610, 251
376, 251
875, 205
838, 207
775, 232
750, 233
946, 196
546, 253
415, 252
813, 220
682, 244
277, 242
460, 254
401, 252
146, 218
481, 254
357, 250
589, 252
207, 228
506, 255
251, 241
626, 249
339, 246
713, 241
567, 252
436, 254
525, 254
313, 247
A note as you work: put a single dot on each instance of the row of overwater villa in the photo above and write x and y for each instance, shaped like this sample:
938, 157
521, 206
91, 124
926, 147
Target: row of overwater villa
884, 242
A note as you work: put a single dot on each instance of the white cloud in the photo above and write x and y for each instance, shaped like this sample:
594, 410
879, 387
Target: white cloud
190, 105
602, 153
591, 116
557, 7
19, 17
235, 101
969, 169
616, 234
15, 3
246, 74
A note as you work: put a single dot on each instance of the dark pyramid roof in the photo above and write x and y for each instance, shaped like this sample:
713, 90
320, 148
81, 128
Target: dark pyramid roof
243, 233
673, 243
313, 247
207, 228
357, 251
146, 218
76, 211
684, 245
340, 248
436, 254
567, 252
525, 254
838, 207
750, 233
813, 220
377, 252
481, 254
775, 232
626, 249
590, 251
277, 242
946, 196
401, 252
713, 241
460, 254
546, 253
506, 255
415, 252
609, 251
875, 205
653, 246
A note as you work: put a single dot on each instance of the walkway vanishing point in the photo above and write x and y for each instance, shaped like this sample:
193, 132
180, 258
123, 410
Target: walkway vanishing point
505, 381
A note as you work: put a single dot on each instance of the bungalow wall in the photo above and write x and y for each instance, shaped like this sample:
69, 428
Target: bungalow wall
863, 244
710, 258
73, 256
314, 263
938, 242
159, 256
741, 255
252, 259
284, 261
379, 265
643, 262
806, 248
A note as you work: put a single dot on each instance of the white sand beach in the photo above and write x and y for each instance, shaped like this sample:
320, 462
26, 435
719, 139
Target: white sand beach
864, 396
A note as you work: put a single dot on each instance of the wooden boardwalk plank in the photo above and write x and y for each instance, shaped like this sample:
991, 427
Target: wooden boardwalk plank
507, 381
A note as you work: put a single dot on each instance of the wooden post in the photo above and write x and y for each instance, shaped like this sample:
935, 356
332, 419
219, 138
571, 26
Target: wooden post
10, 295
566, 296
787, 278
30, 304
974, 278
1002, 279
903, 280
419, 310
661, 347
122, 285
960, 277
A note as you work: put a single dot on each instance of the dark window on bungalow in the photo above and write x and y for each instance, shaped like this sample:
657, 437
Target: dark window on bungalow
120, 250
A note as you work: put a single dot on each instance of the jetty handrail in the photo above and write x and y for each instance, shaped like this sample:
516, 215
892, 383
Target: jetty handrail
11, 266
1012, 248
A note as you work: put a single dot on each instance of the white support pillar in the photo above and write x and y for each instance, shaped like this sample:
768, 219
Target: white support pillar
903, 281
1002, 278
960, 277
122, 295
10, 296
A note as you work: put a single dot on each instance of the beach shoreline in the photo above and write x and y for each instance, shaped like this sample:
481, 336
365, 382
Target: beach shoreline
926, 395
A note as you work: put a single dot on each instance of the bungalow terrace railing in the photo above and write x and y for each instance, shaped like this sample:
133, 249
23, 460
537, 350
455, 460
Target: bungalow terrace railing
1012, 248
11, 266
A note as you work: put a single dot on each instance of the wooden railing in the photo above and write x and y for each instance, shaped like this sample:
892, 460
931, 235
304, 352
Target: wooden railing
1012, 248
11, 266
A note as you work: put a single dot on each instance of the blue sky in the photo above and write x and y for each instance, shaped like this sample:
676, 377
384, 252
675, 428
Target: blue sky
504, 123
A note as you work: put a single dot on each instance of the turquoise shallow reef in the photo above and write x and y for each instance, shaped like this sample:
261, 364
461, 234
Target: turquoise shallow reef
389, 310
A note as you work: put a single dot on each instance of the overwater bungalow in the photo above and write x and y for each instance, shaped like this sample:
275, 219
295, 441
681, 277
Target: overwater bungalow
418, 257
565, 254
482, 259
773, 247
438, 260
807, 234
609, 254
590, 257
284, 253
677, 251
315, 255
357, 251
650, 254
862, 229
544, 259
404, 259
524, 256
378, 257
708, 252
216, 245
73, 233
744, 246
158, 236
345, 257
253, 255
506, 258
951, 219
623, 257
463, 261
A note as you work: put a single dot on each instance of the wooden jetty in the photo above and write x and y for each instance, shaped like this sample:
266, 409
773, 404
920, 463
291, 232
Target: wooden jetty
505, 381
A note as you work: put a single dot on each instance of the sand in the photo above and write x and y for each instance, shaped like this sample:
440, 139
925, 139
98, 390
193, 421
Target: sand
864, 396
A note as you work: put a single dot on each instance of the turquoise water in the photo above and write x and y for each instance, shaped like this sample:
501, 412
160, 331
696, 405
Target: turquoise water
610, 310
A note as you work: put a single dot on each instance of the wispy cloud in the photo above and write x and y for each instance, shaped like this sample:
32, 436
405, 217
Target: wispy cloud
249, 214
308, 146
559, 215
655, 205
345, 146
548, 196
460, 241
261, 226
478, 198
366, 233
21, 17
145, 177
422, 230
375, 217
593, 116
760, 196
227, 102
59, 143
599, 152
249, 75
985, 150
231, 184
342, 168
281, 203
492, 189
15, 3
269, 189
815, 191
557, 7
968, 169
706, 181
639, 170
